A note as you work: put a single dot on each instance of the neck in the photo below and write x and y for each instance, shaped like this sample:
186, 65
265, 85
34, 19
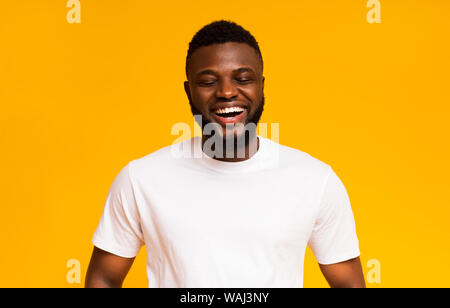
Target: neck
236, 153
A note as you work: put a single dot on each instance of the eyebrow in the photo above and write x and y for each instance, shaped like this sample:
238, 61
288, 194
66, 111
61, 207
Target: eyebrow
238, 70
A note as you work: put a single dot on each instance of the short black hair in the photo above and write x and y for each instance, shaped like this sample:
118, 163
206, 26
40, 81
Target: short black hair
219, 32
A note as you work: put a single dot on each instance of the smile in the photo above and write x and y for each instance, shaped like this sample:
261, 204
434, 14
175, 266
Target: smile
230, 114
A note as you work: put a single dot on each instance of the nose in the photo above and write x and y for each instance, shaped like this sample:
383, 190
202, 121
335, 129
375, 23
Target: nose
226, 89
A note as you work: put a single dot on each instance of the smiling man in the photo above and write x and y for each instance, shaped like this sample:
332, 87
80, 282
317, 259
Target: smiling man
241, 214
225, 87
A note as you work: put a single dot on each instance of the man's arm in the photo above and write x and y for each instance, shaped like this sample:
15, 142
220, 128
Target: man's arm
107, 270
347, 274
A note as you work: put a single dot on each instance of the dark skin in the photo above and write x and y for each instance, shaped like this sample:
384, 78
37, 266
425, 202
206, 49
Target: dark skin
226, 73
220, 73
107, 270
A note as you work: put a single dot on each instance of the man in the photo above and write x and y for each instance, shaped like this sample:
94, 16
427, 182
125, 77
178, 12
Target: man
226, 219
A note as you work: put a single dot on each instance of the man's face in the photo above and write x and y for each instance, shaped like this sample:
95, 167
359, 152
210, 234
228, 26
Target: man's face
225, 85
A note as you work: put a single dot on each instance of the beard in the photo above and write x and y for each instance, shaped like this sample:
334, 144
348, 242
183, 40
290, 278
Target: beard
247, 134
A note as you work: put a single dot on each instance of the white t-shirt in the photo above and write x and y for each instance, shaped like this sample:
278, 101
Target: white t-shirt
211, 224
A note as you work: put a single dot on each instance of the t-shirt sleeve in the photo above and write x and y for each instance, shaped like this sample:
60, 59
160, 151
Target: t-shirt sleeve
119, 230
334, 238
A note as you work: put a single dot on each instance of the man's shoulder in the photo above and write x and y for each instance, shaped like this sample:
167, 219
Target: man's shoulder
291, 157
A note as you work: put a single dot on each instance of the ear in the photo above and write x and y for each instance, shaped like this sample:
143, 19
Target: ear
187, 89
264, 78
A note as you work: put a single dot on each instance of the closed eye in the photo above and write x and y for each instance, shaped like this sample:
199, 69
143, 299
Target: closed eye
207, 83
240, 80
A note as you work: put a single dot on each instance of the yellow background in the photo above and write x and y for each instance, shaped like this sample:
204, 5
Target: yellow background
79, 101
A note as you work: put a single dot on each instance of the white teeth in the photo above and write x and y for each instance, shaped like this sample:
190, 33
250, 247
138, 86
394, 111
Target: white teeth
229, 109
